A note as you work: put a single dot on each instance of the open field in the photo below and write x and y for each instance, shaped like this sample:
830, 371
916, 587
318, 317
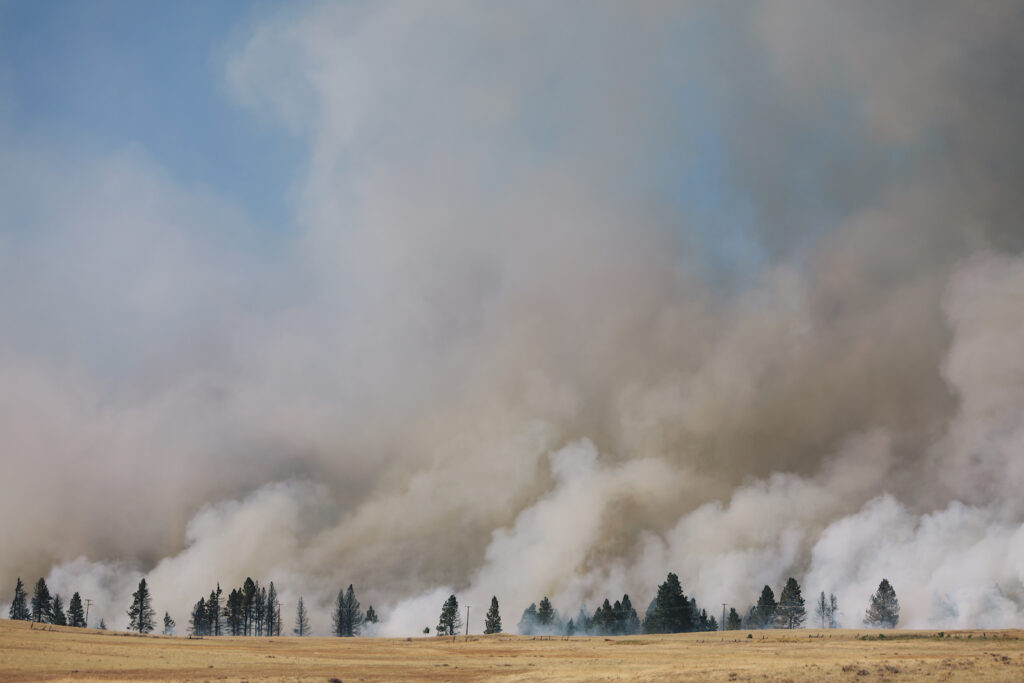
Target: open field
67, 654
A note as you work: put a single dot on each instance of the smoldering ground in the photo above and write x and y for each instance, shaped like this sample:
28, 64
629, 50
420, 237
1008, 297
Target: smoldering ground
573, 296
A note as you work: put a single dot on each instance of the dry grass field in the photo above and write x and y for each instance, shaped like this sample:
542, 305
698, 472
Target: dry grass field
67, 654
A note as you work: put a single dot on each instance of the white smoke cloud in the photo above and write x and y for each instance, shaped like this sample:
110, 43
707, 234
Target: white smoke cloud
490, 360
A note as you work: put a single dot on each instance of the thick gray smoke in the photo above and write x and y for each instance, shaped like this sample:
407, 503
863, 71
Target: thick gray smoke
576, 294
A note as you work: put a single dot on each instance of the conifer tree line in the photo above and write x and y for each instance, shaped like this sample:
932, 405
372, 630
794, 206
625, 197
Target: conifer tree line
254, 610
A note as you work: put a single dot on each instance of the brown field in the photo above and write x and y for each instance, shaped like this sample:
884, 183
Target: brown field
67, 654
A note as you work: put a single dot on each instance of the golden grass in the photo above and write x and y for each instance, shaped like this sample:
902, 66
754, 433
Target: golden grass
66, 654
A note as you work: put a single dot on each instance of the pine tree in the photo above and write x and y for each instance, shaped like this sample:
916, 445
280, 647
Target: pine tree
570, 628
141, 614
671, 610
582, 621
213, 611
712, 624
884, 609
42, 603
168, 625
765, 611
545, 613
450, 621
492, 622
102, 625
733, 621
821, 609
76, 615
199, 622
270, 627
348, 619
371, 616
19, 609
790, 612
248, 604
833, 611
629, 620
528, 623
58, 617
301, 620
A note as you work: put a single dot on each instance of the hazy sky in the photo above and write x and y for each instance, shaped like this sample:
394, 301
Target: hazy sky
514, 298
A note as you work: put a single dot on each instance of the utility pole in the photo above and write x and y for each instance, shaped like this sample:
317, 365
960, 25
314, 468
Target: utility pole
467, 618
88, 601
722, 627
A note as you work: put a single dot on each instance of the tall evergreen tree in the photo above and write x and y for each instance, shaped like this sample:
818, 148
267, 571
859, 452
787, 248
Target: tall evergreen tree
884, 609
492, 622
833, 611
141, 614
821, 610
628, 617
765, 611
528, 623
671, 610
58, 617
545, 613
248, 593
213, 611
270, 628
168, 625
42, 603
19, 608
570, 628
733, 621
348, 619
199, 622
76, 615
233, 612
371, 616
301, 620
450, 621
582, 621
790, 612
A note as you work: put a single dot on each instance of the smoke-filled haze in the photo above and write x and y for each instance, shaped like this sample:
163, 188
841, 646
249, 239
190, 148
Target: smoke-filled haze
556, 298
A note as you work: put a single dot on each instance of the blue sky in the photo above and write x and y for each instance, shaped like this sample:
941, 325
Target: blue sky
100, 76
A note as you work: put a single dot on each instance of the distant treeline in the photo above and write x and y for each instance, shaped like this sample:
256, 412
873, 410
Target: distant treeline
254, 610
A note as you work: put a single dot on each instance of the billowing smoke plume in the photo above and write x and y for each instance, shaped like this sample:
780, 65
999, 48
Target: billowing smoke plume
575, 295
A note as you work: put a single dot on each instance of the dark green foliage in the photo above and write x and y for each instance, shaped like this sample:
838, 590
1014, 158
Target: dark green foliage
628, 623
348, 619
671, 611
545, 614
301, 620
272, 613
233, 612
492, 622
570, 628
42, 603
833, 611
248, 605
827, 610
199, 623
168, 625
790, 612
528, 624
733, 621
76, 615
712, 624
764, 613
449, 622
583, 623
140, 614
371, 616
58, 617
19, 608
603, 621
884, 609
213, 611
